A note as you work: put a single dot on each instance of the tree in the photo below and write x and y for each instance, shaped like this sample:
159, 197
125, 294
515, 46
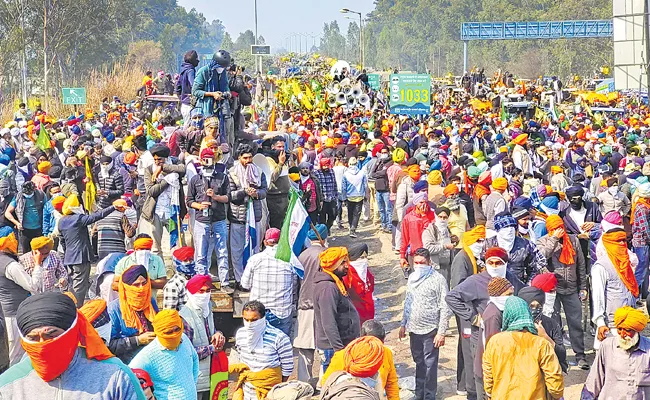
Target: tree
227, 43
244, 41
352, 45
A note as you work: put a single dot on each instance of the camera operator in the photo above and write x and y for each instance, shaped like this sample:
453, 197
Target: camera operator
212, 92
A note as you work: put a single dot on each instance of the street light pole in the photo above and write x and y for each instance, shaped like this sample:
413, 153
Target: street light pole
346, 11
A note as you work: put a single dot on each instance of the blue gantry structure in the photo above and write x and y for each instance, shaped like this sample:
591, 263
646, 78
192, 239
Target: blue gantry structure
577, 29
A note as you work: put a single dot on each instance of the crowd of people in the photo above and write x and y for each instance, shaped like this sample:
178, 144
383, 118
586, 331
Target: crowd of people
502, 225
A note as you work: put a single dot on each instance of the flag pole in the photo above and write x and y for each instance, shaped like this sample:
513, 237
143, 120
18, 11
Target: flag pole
320, 239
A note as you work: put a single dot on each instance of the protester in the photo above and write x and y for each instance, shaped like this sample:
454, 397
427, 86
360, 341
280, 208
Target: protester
437, 239
272, 282
360, 282
516, 349
170, 359
413, 226
265, 354
425, 324
353, 189
28, 207
45, 266
142, 255
52, 330
467, 261
175, 293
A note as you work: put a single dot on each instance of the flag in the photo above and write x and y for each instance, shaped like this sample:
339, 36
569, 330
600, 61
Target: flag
43, 140
91, 190
294, 233
251, 234
371, 123
152, 132
174, 225
504, 113
272, 120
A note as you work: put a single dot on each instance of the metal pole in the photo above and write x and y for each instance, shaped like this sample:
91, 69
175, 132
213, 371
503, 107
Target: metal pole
256, 36
464, 56
24, 55
361, 41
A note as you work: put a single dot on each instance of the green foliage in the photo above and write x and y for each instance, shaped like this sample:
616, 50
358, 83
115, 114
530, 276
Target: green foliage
424, 35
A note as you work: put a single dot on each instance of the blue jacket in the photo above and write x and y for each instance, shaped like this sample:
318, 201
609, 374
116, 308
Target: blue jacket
354, 184
74, 232
208, 80
185, 82
49, 221
123, 343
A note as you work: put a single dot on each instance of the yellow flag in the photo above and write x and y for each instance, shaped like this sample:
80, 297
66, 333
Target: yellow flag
91, 191
272, 120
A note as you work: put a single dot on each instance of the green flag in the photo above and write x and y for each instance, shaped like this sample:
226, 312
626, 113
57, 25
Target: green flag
43, 140
504, 113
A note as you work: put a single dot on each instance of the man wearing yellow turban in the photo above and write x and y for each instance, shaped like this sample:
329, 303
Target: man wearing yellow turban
170, 359
520, 156
52, 278
336, 321
621, 360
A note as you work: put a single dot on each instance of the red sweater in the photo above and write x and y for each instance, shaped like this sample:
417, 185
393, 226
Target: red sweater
413, 226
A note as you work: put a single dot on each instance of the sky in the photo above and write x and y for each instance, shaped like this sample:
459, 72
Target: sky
278, 19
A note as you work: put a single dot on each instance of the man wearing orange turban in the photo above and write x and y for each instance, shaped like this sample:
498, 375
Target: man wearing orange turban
567, 261
621, 359
336, 320
170, 348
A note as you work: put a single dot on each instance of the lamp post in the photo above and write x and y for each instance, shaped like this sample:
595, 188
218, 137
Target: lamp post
348, 11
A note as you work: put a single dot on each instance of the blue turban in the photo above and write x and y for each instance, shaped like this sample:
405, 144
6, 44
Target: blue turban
110, 138
76, 130
523, 202
10, 152
6, 231
435, 166
322, 231
504, 221
420, 186
4, 159
550, 205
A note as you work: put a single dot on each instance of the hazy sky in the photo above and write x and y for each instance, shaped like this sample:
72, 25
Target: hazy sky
277, 19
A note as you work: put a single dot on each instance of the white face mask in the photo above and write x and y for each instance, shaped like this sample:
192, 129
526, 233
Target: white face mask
420, 272
255, 331
476, 249
549, 304
220, 69
613, 190
201, 301
361, 266
442, 225
498, 271
506, 238
522, 230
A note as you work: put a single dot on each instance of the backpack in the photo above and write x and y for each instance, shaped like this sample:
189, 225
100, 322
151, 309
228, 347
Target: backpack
352, 389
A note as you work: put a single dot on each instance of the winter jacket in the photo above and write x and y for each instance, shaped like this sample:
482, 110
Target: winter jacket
113, 184
196, 192
238, 200
523, 260
189, 141
123, 342
185, 82
570, 278
155, 189
354, 184
404, 196
413, 227
208, 80
379, 173
336, 320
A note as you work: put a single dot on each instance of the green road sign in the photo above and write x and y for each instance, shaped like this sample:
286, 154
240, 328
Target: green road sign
74, 96
410, 94
374, 81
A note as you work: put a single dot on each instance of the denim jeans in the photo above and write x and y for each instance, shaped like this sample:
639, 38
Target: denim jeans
425, 355
385, 209
641, 272
325, 356
209, 238
283, 324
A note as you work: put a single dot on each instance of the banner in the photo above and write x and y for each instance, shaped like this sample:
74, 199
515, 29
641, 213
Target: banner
294, 233
410, 94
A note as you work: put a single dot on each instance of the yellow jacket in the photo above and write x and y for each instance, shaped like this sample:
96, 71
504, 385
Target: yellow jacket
387, 372
521, 366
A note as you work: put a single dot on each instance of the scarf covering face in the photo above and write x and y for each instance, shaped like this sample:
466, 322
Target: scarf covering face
52, 357
134, 299
516, 316
248, 176
568, 254
615, 245
363, 356
330, 259
471, 237
164, 321
414, 172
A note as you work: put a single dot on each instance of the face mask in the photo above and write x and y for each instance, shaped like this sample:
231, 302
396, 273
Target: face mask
576, 204
208, 171
549, 304
28, 196
105, 169
442, 225
383, 156
523, 230
420, 272
613, 190
425, 152
202, 302
255, 331
476, 249
52, 357
499, 301
506, 237
536, 313
498, 271
220, 70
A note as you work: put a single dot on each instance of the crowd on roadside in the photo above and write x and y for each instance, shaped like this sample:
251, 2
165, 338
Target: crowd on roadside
501, 222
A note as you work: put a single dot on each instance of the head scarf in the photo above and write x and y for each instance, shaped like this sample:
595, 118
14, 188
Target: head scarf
8, 241
435, 178
44, 167
165, 320
399, 155
134, 299
471, 237
616, 246
500, 184
183, 259
40, 242
51, 358
568, 254
643, 197
143, 243
450, 190
414, 172
612, 220
630, 318
516, 316
504, 221
330, 259
555, 169
197, 282
546, 282
57, 203
520, 139
550, 205
363, 356
498, 286
497, 252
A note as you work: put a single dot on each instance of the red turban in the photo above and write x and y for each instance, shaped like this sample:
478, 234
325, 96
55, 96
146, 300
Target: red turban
546, 282
197, 282
496, 252
325, 162
377, 149
184, 253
